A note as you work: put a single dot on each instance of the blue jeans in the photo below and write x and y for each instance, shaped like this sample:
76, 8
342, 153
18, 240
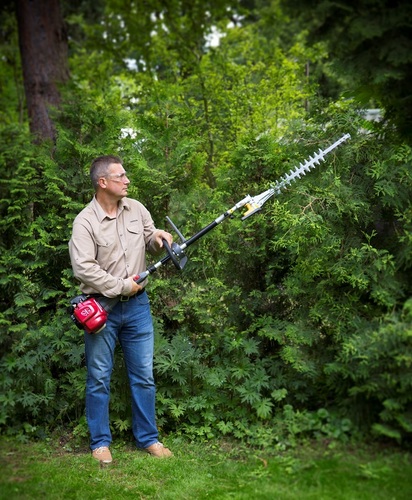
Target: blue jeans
131, 323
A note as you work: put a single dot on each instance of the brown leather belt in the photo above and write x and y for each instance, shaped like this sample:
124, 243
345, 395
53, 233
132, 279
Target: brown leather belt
126, 298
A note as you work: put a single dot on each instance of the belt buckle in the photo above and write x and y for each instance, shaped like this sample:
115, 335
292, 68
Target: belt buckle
124, 298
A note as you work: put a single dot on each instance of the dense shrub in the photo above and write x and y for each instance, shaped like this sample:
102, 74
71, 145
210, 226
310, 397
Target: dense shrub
294, 322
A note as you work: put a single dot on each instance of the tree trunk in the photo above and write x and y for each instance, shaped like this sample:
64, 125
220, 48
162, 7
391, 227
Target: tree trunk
44, 55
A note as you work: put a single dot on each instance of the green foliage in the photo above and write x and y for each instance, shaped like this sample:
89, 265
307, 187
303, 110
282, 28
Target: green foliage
293, 323
41, 350
371, 46
378, 362
328, 273
11, 84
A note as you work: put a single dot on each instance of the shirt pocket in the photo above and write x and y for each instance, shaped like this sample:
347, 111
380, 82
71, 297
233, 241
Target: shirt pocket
135, 235
104, 241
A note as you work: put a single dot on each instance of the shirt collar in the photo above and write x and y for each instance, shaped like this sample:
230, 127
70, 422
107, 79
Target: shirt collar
101, 214
124, 204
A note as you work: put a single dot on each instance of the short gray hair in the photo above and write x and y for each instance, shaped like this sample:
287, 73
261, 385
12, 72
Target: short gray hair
100, 167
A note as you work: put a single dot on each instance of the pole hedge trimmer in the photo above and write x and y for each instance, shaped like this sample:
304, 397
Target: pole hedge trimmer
90, 312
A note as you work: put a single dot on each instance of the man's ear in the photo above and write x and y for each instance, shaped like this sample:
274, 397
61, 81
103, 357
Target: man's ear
102, 183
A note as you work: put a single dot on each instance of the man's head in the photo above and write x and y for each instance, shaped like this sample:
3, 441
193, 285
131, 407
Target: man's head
109, 177
100, 167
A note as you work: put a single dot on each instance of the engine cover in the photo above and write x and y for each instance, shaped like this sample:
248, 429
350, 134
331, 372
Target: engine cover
90, 315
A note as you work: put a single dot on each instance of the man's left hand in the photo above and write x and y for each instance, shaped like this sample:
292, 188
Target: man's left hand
162, 235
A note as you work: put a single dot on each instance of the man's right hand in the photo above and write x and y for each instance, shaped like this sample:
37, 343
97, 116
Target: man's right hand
135, 287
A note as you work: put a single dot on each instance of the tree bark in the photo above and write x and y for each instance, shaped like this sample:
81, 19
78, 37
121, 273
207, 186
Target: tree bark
44, 55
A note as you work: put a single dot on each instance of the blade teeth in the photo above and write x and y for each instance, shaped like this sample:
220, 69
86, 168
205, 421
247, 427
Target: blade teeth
306, 166
313, 160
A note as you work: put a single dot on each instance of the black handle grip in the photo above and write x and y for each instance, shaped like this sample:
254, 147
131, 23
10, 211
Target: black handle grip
172, 255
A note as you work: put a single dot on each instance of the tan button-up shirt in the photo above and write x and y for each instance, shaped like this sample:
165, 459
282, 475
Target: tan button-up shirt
105, 251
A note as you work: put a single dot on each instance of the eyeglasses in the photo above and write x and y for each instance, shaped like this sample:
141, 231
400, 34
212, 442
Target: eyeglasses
117, 177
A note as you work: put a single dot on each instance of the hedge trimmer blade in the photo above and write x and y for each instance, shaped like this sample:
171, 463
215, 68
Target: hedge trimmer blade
258, 201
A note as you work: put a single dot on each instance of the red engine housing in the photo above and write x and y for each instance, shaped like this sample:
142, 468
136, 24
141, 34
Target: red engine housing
90, 315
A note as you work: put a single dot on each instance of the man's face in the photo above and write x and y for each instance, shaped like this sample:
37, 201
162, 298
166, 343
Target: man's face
117, 181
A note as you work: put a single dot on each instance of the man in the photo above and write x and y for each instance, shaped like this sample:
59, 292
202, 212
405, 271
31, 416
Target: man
107, 250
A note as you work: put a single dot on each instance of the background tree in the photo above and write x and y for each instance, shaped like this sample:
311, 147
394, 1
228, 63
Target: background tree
44, 59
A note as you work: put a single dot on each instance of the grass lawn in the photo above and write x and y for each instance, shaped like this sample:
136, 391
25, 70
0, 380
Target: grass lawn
217, 470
